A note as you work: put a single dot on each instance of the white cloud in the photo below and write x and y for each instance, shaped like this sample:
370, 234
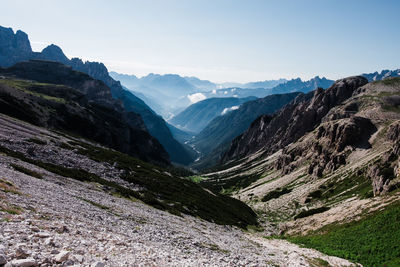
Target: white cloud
194, 98
226, 110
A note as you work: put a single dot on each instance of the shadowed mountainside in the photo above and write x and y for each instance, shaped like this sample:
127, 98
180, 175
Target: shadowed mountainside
196, 117
53, 95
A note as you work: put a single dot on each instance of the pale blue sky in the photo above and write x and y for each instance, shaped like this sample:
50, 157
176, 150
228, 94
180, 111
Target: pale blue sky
218, 40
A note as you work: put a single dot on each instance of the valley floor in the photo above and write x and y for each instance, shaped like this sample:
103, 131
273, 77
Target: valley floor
53, 220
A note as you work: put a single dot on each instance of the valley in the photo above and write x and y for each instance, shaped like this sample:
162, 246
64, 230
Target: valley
100, 168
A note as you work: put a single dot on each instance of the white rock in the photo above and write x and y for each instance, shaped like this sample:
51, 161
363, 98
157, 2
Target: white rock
24, 263
43, 235
62, 256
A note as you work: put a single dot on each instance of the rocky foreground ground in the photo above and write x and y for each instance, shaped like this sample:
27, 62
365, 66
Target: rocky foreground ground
57, 221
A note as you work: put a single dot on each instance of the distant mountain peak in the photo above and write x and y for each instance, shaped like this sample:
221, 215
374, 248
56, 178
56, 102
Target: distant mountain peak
54, 52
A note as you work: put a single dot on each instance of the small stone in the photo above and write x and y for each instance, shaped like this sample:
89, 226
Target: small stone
43, 235
20, 252
55, 251
49, 242
62, 256
35, 229
78, 258
23, 263
3, 259
64, 229
98, 264
68, 263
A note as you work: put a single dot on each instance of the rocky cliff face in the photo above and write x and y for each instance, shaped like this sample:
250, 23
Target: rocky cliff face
13, 47
293, 121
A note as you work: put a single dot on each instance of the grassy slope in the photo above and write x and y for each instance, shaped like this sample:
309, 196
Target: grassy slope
372, 241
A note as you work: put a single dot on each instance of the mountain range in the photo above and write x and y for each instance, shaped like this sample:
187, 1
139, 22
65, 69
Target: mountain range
16, 47
170, 94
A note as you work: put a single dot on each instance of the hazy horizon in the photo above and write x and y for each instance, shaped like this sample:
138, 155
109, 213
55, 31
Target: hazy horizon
220, 41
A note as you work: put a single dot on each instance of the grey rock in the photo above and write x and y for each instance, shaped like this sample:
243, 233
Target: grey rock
62, 256
23, 263
3, 259
98, 264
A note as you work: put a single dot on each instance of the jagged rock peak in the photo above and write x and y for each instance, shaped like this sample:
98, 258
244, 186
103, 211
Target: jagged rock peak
289, 124
13, 47
54, 53
13, 42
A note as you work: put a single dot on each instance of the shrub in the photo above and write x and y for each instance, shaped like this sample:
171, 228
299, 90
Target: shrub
310, 212
275, 194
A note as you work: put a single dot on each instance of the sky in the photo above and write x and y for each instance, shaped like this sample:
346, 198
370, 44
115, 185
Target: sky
218, 40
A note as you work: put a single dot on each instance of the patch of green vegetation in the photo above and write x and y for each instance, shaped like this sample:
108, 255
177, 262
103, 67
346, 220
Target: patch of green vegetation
306, 213
94, 203
37, 141
352, 185
8, 187
371, 241
390, 108
391, 81
227, 186
195, 178
254, 228
10, 209
276, 194
26, 85
229, 191
318, 262
27, 171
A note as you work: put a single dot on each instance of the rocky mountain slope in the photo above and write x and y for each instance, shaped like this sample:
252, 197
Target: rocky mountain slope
292, 122
196, 117
71, 101
16, 47
221, 130
65, 201
324, 170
